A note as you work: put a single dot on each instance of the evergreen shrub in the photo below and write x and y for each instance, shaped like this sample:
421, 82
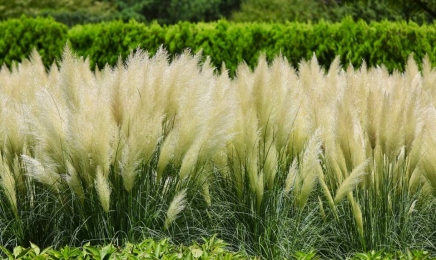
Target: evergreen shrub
19, 36
387, 43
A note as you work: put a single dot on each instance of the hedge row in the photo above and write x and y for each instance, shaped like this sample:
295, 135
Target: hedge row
19, 36
377, 43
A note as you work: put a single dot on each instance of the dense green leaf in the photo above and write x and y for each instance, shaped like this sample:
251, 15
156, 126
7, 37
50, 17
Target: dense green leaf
376, 43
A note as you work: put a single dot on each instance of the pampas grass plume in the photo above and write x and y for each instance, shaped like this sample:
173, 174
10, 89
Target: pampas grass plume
103, 189
311, 168
74, 182
177, 205
7, 182
271, 166
189, 162
292, 178
356, 177
42, 174
357, 212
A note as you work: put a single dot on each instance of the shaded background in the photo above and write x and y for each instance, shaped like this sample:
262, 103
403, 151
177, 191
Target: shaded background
72, 12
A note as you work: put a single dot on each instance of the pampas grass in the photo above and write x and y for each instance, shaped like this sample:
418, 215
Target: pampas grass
120, 152
7, 183
355, 178
176, 207
103, 189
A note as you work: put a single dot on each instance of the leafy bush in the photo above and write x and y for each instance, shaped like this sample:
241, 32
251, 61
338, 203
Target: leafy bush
384, 43
106, 42
414, 254
378, 43
210, 249
149, 249
20, 36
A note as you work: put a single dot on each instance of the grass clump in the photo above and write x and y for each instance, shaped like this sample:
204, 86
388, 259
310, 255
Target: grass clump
274, 161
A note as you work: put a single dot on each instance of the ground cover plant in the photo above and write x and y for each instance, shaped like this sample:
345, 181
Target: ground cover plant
273, 161
148, 249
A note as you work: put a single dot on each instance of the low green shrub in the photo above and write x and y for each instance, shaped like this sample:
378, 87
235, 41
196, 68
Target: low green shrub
384, 43
211, 248
376, 43
18, 37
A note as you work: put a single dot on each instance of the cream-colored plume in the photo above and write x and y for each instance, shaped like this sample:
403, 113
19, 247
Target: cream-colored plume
7, 183
354, 179
177, 205
103, 189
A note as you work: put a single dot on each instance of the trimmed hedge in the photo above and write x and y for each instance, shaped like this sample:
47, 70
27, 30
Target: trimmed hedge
377, 43
18, 37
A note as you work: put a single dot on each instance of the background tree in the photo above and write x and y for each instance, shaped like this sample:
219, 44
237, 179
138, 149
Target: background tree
409, 7
283, 10
329, 10
73, 12
69, 12
172, 11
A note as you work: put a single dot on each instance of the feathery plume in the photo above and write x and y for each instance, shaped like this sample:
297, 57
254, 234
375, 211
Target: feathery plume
270, 166
321, 208
7, 182
292, 178
167, 152
357, 212
103, 189
311, 168
38, 172
177, 205
356, 177
412, 208
189, 161
74, 182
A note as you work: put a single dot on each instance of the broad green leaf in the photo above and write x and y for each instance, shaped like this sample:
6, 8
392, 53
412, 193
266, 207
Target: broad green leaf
7, 252
35, 248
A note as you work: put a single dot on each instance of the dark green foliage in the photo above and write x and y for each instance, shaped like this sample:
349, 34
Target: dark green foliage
172, 11
69, 12
286, 10
328, 10
106, 42
378, 43
18, 37
72, 12
408, 7
72, 18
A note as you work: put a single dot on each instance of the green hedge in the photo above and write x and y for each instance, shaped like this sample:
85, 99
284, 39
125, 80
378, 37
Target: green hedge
377, 43
18, 37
